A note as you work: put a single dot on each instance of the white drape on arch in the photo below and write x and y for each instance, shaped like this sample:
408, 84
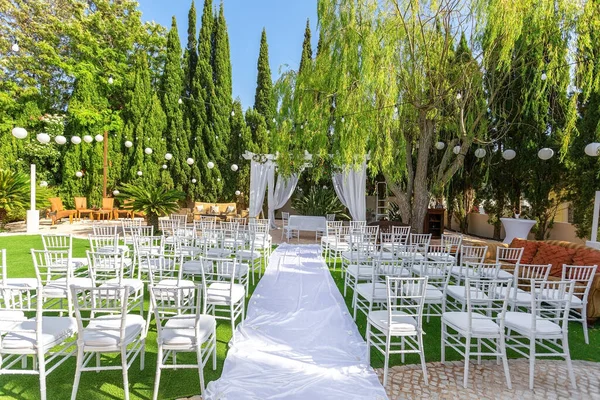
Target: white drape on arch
259, 175
280, 193
350, 186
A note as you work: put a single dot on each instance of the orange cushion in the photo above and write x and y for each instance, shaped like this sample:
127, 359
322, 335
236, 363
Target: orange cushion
586, 257
555, 255
530, 248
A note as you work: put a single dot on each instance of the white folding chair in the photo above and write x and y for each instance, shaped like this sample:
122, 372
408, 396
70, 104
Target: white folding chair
401, 320
330, 237
437, 273
422, 240
105, 230
144, 245
182, 326
18, 282
519, 295
468, 255
55, 273
43, 337
455, 296
181, 217
482, 322
583, 276
543, 331
106, 325
224, 298
508, 257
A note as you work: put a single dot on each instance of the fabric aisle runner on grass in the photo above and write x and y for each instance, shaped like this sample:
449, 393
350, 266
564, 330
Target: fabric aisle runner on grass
298, 340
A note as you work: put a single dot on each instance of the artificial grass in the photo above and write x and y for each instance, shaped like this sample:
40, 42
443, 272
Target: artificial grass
185, 382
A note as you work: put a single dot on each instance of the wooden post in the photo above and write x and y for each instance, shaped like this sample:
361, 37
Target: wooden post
105, 165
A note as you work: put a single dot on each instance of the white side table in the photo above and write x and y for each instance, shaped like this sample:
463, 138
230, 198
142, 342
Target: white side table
516, 228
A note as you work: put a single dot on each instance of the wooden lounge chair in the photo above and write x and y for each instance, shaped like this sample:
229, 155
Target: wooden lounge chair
58, 212
82, 208
107, 210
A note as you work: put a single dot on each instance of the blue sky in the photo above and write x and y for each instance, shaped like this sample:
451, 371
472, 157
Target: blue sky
284, 20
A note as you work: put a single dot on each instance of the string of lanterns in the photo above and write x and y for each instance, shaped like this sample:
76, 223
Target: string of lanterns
545, 153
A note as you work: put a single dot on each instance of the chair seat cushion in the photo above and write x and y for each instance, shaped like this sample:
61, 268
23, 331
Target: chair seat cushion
248, 255
432, 272
521, 323
360, 271
433, 295
135, 285
376, 293
480, 324
175, 283
218, 252
195, 267
459, 293
550, 293
402, 324
407, 255
437, 256
463, 271
10, 318
504, 274
104, 331
223, 293
518, 296
181, 331
55, 330
339, 247
58, 287
20, 282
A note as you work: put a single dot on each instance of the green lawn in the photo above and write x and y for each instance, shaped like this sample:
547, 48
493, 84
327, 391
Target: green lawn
184, 383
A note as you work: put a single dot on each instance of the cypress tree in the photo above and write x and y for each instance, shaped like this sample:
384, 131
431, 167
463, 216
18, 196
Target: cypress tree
264, 101
258, 136
241, 139
306, 57
190, 57
171, 86
144, 125
221, 67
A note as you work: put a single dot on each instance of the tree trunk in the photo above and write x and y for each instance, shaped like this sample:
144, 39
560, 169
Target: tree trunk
421, 184
153, 220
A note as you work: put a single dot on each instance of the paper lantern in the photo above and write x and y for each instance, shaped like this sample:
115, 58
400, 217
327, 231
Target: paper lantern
234, 167
440, 145
190, 161
88, 139
99, 138
60, 139
75, 140
148, 150
15, 47
194, 180
210, 165
43, 138
545, 153
456, 149
116, 192
168, 156
509, 154
164, 166
128, 143
218, 179
480, 153
19, 133
79, 174
140, 173
237, 192
592, 149
43, 184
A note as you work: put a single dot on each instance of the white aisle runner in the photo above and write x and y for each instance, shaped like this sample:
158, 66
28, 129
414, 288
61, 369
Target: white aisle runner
298, 340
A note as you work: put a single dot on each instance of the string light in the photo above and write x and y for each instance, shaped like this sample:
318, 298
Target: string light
110, 80
15, 47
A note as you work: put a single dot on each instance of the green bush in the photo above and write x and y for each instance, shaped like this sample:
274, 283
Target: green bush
319, 202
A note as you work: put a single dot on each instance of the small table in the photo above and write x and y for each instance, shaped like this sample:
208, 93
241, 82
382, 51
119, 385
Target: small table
305, 223
516, 228
97, 214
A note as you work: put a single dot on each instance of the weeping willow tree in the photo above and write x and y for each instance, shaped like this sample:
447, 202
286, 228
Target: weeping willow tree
393, 77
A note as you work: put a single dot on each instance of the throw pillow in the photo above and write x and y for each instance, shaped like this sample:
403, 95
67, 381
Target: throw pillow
214, 209
586, 257
530, 249
200, 209
555, 255
230, 209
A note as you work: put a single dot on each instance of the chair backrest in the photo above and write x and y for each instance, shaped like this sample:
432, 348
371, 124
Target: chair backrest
105, 230
50, 265
401, 233
57, 241
357, 224
525, 272
130, 223
509, 254
285, 216
109, 302
437, 271
176, 304
440, 251
454, 241
80, 203
104, 243
422, 239
148, 244
242, 221
383, 267
473, 254
551, 302
219, 270
14, 302
162, 266
405, 297
485, 270
4, 273
168, 227
105, 266
56, 204
330, 217
488, 297
181, 217
108, 203
583, 275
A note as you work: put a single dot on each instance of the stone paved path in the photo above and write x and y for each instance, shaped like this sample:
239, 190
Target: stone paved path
486, 381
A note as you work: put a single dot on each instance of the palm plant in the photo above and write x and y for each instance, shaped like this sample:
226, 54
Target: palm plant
13, 192
319, 202
154, 201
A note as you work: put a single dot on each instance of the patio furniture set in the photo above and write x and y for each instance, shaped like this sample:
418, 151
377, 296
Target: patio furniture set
195, 274
108, 210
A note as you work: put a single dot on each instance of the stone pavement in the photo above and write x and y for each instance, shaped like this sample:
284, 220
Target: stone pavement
486, 381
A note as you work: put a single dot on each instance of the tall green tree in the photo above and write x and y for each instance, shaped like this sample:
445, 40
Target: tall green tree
221, 67
241, 140
190, 55
307, 54
264, 100
171, 87
145, 123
